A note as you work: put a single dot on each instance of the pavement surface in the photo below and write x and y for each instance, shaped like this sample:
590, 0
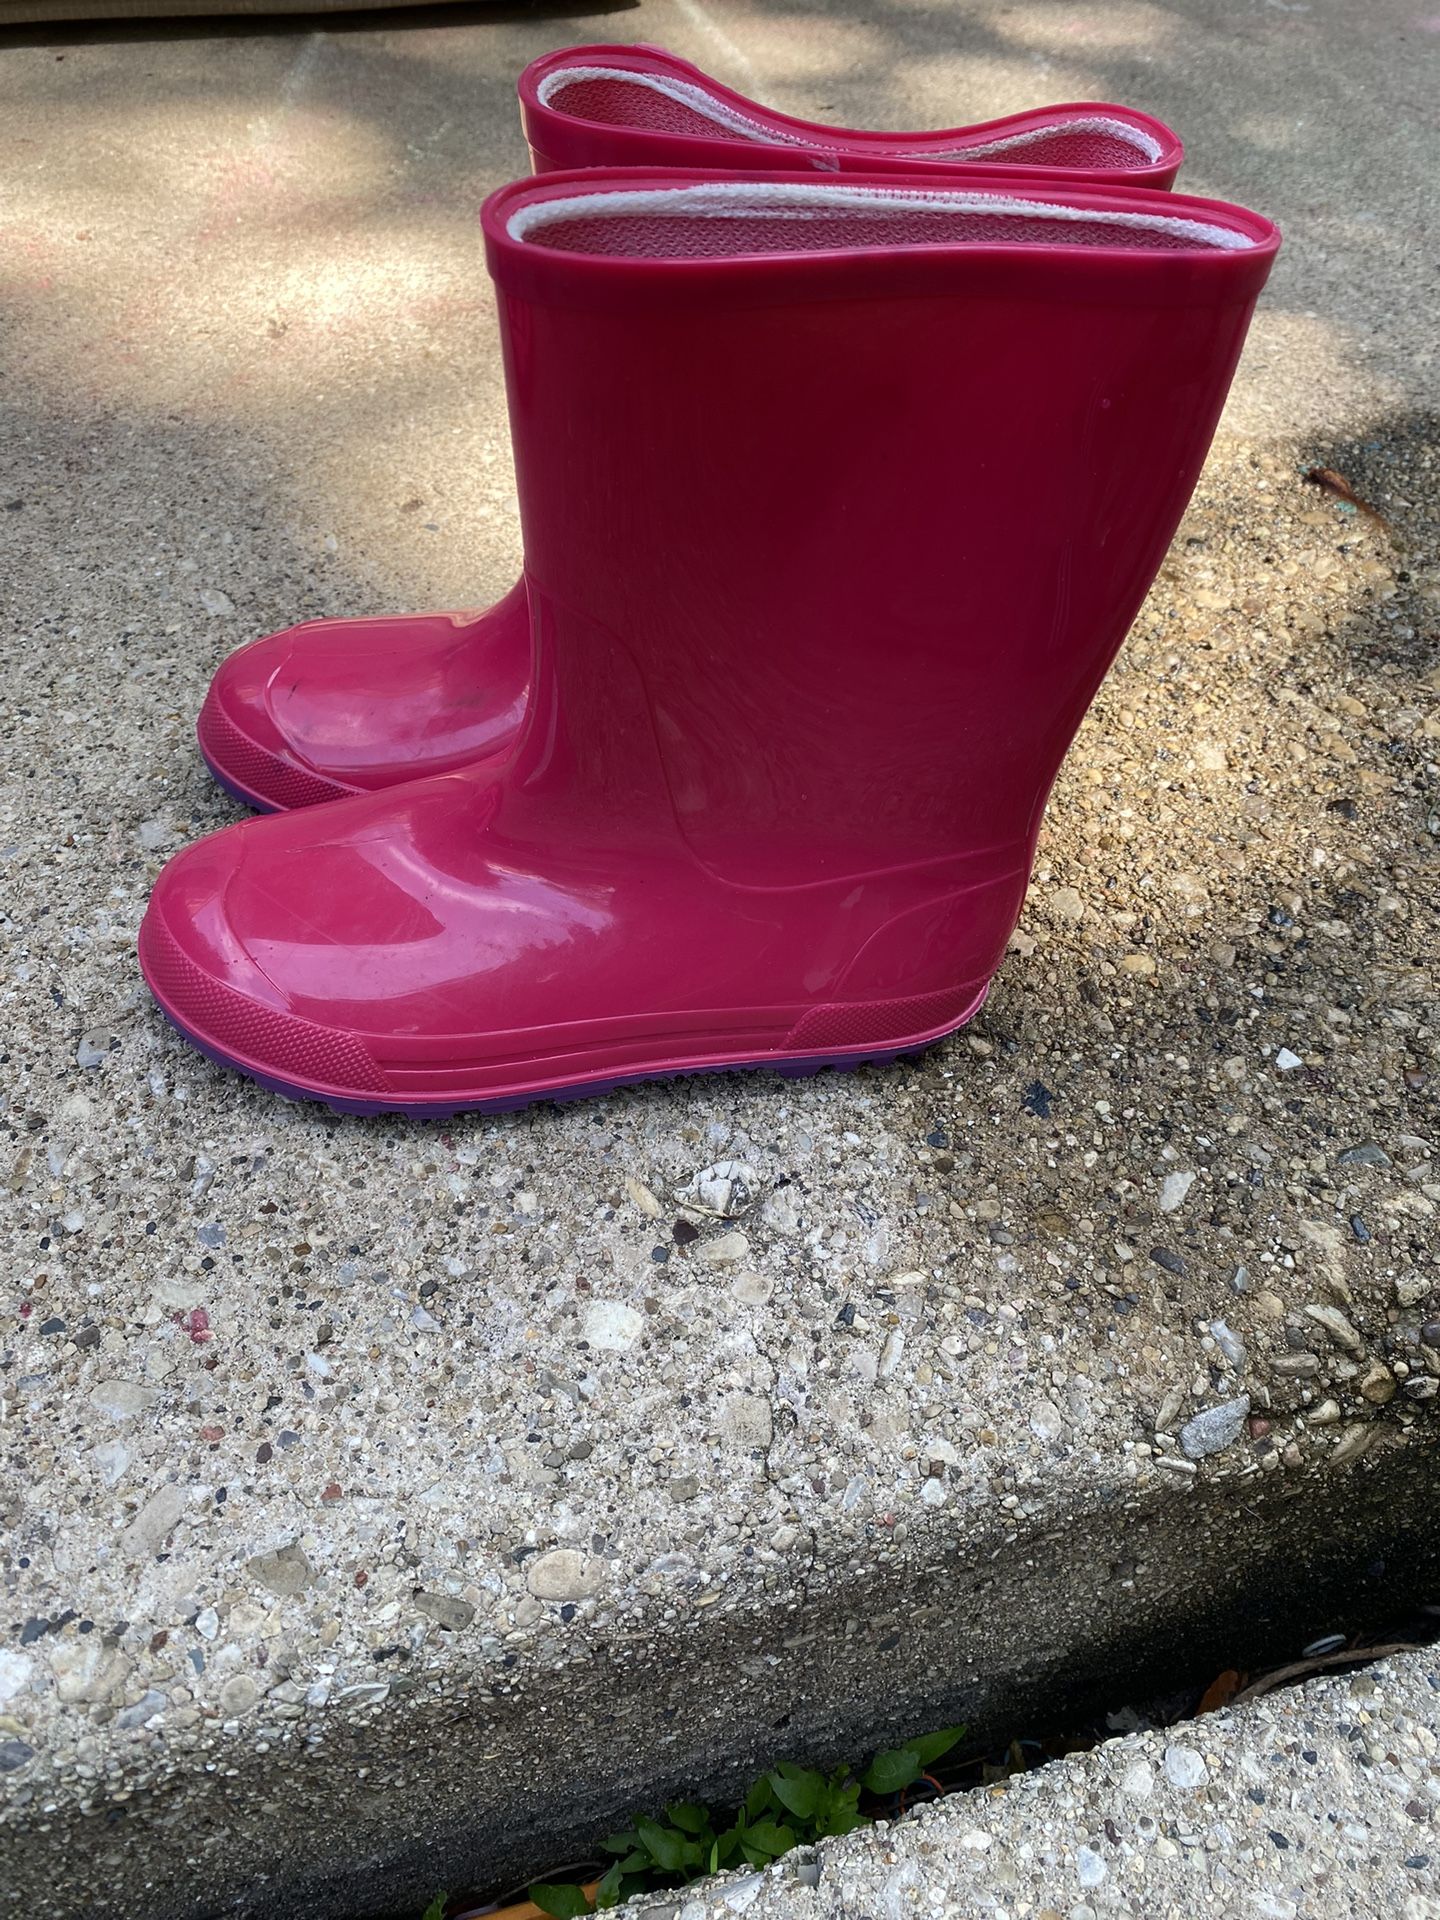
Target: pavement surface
1317, 1804
424, 1485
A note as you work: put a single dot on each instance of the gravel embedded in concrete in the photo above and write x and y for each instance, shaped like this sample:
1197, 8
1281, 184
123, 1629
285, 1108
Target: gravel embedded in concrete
391, 1471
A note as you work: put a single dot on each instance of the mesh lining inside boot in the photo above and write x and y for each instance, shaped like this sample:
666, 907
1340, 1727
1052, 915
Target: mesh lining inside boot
660, 103
743, 217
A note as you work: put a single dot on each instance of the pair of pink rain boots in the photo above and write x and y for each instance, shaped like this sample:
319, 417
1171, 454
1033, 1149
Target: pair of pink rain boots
844, 461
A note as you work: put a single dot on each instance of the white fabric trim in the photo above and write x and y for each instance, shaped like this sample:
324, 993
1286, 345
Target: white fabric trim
686, 94
1136, 137
769, 200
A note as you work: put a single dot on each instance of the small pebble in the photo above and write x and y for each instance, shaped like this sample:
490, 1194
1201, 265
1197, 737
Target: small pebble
722, 1191
94, 1049
1364, 1156
1174, 1190
724, 1251
1184, 1767
1338, 1327
612, 1326
238, 1695
1229, 1343
1090, 1868
562, 1574
1214, 1429
1378, 1385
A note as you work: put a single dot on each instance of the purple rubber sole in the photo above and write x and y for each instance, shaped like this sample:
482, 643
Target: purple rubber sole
789, 1069
246, 799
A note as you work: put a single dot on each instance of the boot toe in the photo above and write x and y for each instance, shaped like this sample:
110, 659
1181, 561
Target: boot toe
242, 743
208, 984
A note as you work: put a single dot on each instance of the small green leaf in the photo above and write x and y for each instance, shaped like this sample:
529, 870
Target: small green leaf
839, 1811
607, 1894
771, 1839
727, 1847
688, 1816
847, 1821
561, 1898
929, 1747
620, 1842
890, 1771
797, 1789
666, 1846
758, 1798
436, 1908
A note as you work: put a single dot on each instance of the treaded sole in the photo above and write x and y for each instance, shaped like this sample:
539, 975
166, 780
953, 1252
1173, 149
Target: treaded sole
789, 1067
237, 792
249, 798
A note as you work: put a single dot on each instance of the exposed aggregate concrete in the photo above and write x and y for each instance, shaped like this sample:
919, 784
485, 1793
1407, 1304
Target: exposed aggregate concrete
393, 1474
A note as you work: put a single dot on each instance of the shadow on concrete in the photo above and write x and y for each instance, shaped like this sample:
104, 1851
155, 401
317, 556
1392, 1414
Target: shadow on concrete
1228, 79
258, 25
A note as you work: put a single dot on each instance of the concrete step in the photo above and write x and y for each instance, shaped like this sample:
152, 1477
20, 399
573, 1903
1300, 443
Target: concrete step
333, 1581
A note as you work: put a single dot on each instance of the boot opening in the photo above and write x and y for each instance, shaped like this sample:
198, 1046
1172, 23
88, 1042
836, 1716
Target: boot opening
663, 103
748, 217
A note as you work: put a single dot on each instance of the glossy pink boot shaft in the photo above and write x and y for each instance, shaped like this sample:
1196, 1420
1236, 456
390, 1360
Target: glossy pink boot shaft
838, 499
343, 706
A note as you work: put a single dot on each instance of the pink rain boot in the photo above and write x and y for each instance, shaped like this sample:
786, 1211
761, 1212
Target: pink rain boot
838, 499
335, 707
606, 106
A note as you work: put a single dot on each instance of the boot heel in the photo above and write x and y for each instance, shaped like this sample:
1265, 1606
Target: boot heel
896, 1025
